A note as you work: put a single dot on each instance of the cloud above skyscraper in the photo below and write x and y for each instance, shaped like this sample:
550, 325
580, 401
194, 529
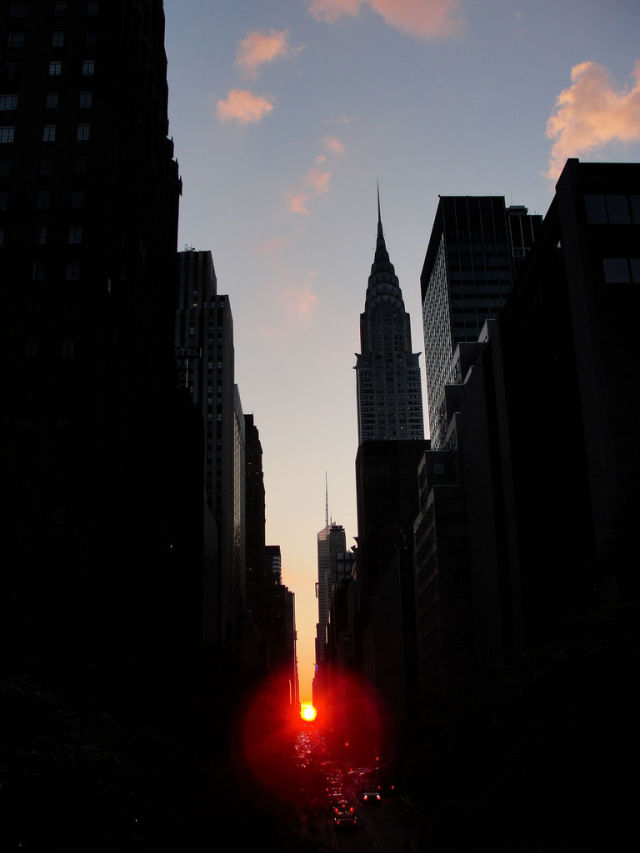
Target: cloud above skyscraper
422, 19
316, 182
243, 107
262, 47
592, 113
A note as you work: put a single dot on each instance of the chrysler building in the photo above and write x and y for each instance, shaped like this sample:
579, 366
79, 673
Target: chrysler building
387, 371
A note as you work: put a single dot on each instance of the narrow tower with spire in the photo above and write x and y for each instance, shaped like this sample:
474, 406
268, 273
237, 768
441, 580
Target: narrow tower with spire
387, 371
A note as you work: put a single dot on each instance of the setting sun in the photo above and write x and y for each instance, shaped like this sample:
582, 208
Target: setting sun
308, 712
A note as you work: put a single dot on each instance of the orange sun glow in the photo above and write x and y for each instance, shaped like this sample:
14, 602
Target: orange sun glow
308, 712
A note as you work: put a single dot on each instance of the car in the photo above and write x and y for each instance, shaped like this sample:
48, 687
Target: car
344, 815
370, 794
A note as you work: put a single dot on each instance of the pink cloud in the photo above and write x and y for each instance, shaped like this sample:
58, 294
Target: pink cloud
423, 19
334, 144
259, 48
299, 300
243, 107
314, 183
591, 113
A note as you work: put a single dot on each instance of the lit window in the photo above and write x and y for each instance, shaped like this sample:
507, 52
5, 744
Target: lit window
43, 200
55, 68
52, 101
8, 102
73, 271
15, 39
6, 134
75, 234
88, 67
4, 201
86, 99
49, 133
37, 271
83, 133
57, 39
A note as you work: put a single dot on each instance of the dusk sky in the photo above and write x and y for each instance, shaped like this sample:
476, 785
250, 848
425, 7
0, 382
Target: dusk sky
285, 114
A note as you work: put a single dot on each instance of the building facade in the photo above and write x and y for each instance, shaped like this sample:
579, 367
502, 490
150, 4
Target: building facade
475, 248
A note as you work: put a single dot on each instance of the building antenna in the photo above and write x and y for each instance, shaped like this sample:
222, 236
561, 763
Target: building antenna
326, 500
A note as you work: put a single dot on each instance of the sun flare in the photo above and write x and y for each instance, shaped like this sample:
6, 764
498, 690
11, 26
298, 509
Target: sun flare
307, 712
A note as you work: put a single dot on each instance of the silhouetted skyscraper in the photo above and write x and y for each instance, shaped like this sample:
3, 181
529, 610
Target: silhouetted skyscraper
475, 247
88, 221
387, 371
331, 541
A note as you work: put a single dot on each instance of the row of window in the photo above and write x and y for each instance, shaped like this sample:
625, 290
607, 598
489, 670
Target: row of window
71, 271
43, 200
8, 132
16, 40
9, 101
87, 68
60, 8
612, 209
80, 166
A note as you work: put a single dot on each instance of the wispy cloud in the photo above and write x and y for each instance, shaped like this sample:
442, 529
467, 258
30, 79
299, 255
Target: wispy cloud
591, 113
422, 19
243, 107
334, 144
299, 300
261, 47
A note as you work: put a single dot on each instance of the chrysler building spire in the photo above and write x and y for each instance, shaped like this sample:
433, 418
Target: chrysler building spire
387, 371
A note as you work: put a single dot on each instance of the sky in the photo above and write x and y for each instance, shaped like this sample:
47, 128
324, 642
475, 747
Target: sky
286, 114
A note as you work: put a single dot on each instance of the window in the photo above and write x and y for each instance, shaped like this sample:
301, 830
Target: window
4, 201
49, 133
80, 166
6, 134
86, 99
90, 38
5, 168
67, 348
41, 235
52, 101
618, 209
43, 200
46, 166
8, 102
82, 134
11, 70
616, 270
60, 8
1, 236
77, 199
93, 8
57, 39
55, 68
88, 67
17, 10
15, 39
73, 271
75, 234
37, 271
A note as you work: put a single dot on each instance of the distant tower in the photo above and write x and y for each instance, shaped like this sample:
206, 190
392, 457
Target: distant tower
387, 371
331, 541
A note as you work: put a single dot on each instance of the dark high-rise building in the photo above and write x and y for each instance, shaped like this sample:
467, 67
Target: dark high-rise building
389, 391
475, 248
331, 542
88, 222
205, 355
